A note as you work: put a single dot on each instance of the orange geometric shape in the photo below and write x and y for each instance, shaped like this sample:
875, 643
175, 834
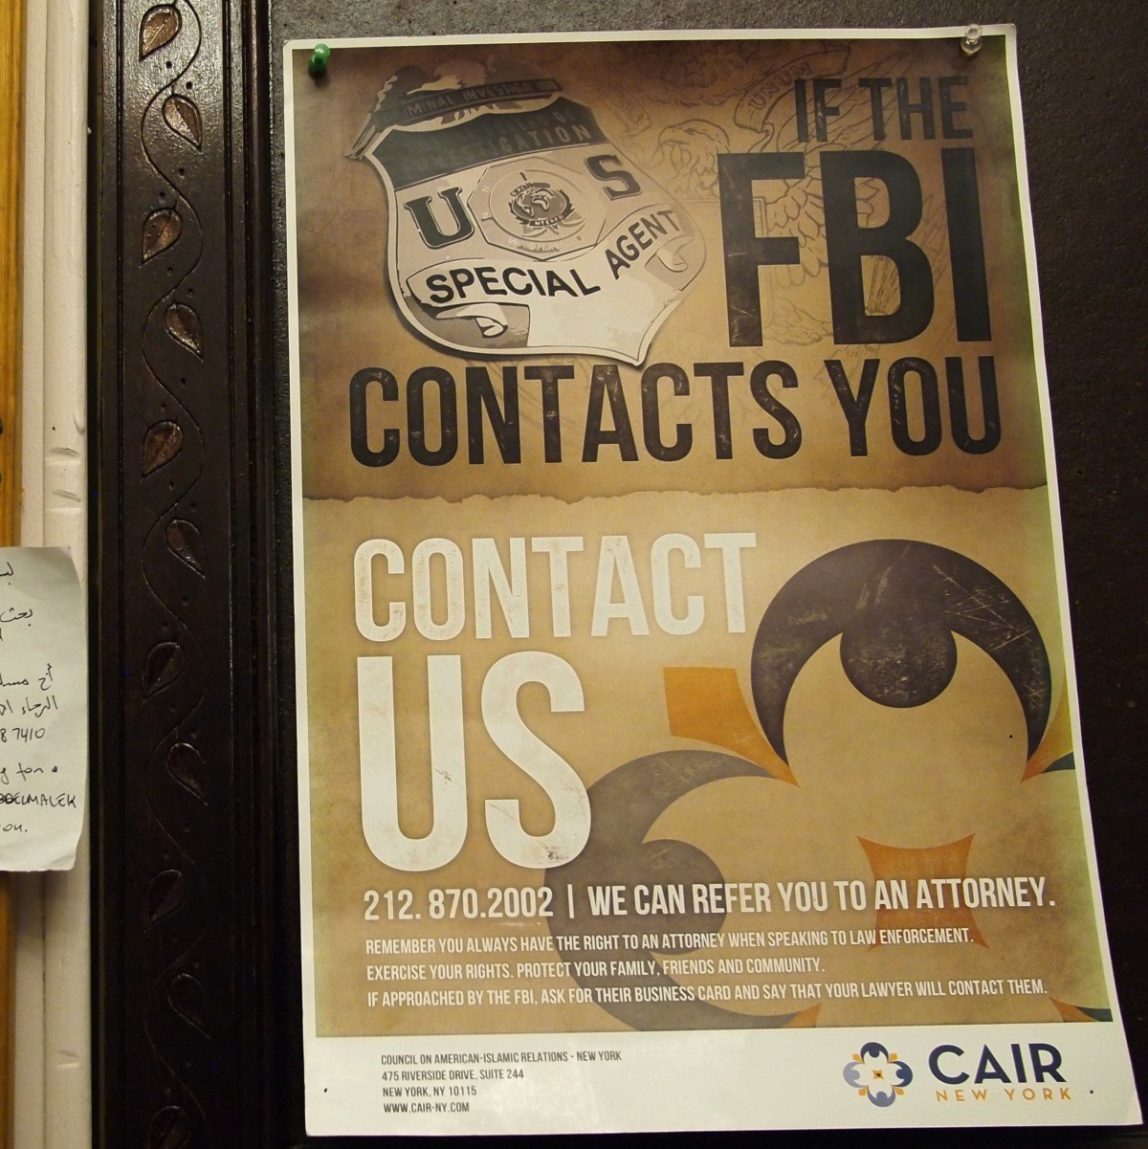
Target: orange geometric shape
1070, 1012
1055, 745
898, 863
706, 703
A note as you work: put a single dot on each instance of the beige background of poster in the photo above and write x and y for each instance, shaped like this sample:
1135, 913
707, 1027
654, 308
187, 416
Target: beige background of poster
669, 109
909, 778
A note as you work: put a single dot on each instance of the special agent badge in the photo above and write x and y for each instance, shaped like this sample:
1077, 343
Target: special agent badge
515, 225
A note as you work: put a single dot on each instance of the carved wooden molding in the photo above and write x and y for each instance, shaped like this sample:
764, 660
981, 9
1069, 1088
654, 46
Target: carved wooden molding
180, 876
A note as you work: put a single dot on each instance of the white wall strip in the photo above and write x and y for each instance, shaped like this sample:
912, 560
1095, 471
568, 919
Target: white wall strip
53, 1013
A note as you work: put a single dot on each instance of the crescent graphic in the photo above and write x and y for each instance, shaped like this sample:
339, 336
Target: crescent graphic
897, 605
624, 804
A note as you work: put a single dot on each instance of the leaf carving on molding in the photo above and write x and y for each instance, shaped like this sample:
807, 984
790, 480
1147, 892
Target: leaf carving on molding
186, 543
185, 995
159, 26
169, 1128
160, 230
182, 116
163, 441
165, 895
186, 765
164, 664
183, 325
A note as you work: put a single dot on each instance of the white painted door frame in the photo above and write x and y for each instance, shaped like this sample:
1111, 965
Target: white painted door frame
53, 983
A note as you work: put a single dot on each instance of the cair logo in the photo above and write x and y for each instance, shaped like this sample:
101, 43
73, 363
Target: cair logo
877, 1074
1017, 1073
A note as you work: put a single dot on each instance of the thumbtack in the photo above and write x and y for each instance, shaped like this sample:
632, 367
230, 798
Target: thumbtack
971, 42
317, 65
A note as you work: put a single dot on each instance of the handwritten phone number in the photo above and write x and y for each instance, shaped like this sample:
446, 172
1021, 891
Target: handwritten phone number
461, 902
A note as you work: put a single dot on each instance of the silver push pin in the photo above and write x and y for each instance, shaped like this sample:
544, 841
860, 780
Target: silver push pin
971, 41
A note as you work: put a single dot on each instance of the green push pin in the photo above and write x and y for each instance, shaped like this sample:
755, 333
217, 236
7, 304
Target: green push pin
317, 65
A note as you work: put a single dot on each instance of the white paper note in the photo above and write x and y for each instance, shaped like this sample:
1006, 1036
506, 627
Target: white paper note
43, 709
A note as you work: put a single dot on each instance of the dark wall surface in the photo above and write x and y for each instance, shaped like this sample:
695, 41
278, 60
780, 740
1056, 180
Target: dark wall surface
196, 986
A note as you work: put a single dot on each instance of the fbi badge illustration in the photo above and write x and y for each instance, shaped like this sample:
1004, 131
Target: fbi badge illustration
515, 224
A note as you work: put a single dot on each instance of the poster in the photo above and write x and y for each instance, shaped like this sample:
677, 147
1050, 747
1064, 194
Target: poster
686, 724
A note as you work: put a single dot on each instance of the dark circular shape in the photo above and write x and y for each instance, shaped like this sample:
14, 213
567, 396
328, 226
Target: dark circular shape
898, 661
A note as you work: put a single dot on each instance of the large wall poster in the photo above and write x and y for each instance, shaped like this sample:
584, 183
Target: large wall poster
686, 732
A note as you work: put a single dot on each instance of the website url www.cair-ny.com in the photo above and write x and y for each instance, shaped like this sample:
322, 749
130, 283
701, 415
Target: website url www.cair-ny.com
426, 1107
